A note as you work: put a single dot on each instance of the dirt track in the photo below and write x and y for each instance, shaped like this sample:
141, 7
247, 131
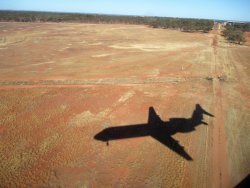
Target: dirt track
61, 84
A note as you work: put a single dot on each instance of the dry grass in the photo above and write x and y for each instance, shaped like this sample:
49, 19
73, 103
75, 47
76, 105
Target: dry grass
60, 84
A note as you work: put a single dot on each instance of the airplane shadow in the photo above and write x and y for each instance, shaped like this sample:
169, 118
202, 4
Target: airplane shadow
158, 129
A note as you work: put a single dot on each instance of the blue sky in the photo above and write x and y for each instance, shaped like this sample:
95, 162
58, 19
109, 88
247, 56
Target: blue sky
213, 9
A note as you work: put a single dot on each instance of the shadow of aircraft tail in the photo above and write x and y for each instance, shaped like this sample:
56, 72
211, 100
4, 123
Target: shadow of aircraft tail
158, 129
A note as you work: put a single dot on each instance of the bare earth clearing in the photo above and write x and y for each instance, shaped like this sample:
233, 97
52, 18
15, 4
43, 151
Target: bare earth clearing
61, 84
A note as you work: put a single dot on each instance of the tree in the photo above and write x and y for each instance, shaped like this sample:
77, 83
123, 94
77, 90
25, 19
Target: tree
234, 35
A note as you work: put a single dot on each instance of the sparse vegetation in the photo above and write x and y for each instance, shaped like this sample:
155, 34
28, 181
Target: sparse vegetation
235, 32
188, 25
234, 35
60, 83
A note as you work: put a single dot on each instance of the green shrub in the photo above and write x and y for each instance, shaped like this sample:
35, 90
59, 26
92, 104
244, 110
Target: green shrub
234, 35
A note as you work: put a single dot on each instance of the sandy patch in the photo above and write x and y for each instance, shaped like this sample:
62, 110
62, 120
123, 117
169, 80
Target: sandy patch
101, 55
44, 63
65, 48
96, 44
126, 96
11, 40
155, 72
88, 118
156, 47
81, 42
80, 120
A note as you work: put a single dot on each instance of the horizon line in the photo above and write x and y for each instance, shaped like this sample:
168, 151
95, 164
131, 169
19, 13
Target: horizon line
136, 15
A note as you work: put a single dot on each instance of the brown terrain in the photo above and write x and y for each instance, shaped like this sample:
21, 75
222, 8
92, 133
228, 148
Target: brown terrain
63, 84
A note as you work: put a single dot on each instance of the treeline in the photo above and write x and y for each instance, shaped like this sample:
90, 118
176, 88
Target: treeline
189, 25
234, 32
24, 16
240, 26
155, 22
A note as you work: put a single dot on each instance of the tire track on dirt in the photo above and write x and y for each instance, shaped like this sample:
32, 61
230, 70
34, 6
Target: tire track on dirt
98, 82
220, 162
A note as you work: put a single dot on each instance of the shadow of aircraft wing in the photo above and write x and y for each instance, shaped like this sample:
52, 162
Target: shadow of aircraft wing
173, 145
123, 132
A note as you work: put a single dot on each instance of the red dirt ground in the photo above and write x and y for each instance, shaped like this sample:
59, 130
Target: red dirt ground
248, 38
61, 84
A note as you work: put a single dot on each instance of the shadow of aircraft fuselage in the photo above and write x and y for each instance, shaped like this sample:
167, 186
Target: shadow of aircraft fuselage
158, 129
